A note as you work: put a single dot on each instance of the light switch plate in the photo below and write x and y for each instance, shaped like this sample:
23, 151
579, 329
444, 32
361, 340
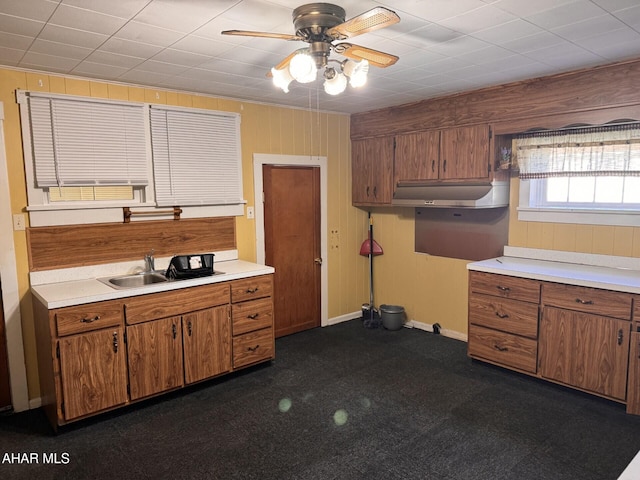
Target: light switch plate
18, 222
250, 212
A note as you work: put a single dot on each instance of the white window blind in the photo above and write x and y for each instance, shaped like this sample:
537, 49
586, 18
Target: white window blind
87, 142
196, 157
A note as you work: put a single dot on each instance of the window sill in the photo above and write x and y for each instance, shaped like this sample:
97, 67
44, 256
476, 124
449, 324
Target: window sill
580, 216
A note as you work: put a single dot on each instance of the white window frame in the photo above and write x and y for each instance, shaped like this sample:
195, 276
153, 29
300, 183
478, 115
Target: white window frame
575, 215
42, 212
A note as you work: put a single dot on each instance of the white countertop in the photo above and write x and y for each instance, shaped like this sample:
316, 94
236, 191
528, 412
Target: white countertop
76, 292
586, 274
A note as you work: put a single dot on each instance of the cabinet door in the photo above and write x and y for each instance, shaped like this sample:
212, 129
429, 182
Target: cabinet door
372, 170
155, 357
464, 153
584, 350
417, 156
633, 386
93, 372
207, 343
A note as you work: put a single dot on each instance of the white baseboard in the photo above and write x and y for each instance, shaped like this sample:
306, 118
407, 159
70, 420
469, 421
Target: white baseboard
428, 327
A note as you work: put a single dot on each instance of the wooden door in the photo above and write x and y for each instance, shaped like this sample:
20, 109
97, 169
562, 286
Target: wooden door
292, 245
417, 156
93, 371
206, 337
155, 357
464, 153
5, 386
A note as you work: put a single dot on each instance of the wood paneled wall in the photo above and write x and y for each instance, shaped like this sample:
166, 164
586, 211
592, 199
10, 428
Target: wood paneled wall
94, 244
588, 92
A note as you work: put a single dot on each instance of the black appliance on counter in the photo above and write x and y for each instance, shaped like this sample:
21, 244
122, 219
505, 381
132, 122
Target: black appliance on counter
183, 267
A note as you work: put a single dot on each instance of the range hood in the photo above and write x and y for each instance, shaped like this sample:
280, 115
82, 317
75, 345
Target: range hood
449, 195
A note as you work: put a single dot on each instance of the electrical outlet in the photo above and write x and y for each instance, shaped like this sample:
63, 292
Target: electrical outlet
250, 213
18, 222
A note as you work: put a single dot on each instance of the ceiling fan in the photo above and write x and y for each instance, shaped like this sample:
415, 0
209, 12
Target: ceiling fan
322, 25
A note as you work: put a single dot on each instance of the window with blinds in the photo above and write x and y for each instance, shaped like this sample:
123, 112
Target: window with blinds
196, 157
87, 142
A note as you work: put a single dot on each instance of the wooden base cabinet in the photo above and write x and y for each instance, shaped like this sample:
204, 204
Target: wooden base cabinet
584, 338
99, 356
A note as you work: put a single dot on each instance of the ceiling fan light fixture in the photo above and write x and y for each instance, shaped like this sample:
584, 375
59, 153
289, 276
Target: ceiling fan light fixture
282, 78
356, 71
335, 83
303, 67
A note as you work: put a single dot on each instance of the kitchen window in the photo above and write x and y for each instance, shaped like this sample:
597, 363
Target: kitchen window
582, 175
86, 158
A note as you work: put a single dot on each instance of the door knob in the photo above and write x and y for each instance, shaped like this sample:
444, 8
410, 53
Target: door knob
318, 261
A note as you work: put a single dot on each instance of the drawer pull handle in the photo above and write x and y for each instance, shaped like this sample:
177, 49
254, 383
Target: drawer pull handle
90, 320
252, 290
174, 331
584, 302
502, 315
253, 349
189, 327
501, 349
253, 316
115, 342
620, 336
503, 289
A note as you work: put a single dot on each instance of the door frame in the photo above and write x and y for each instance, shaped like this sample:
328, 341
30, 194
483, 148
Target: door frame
260, 159
10, 291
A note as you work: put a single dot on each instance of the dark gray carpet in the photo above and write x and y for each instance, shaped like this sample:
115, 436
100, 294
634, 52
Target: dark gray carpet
344, 402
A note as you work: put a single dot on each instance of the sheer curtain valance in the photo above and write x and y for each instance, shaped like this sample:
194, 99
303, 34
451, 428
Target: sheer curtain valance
593, 151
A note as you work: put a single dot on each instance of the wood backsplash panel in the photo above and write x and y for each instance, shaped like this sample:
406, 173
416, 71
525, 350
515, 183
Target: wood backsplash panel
94, 244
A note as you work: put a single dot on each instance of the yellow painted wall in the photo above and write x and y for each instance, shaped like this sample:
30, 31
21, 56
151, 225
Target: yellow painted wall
265, 129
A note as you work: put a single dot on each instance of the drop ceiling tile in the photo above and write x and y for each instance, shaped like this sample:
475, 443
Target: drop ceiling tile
459, 46
586, 28
98, 70
143, 77
140, 32
10, 56
72, 36
605, 42
428, 36
630, 16
202, 46
434, 10
118, 8
180, 57
40, 60
525, 9
533, 42
612, 5
108, 58
81, 19
259, 15
485, 55
507, 32
154, 66
19, 42
20, 26
34, 9
565, 14
478, 19
59, 49
183, 16
122, 46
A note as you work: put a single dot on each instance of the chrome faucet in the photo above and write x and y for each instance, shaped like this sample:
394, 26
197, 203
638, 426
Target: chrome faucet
149, 262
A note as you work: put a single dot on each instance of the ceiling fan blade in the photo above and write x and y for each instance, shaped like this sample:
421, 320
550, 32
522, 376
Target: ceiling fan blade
374, 57
283, 63
247, 33
374, 19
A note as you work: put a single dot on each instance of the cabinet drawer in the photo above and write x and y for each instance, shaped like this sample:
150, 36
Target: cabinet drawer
253, 347
252, 315
84, 318
503, 348
176, 302
510, 316
504, 286
249, 288
589, 300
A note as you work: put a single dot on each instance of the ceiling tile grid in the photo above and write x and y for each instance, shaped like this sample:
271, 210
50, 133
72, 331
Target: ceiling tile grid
443, 46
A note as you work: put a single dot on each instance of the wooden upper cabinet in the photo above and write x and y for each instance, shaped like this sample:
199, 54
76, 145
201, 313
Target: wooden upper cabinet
417, 156
464, 153
372, 170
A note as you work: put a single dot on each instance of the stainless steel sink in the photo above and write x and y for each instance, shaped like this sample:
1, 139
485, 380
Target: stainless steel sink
135, 280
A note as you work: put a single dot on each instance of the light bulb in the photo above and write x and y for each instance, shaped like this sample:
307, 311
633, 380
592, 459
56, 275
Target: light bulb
335, 85
303, 67
356, 71
282, 79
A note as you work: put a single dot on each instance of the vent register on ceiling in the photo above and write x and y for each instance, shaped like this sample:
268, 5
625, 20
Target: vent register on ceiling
83, 142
